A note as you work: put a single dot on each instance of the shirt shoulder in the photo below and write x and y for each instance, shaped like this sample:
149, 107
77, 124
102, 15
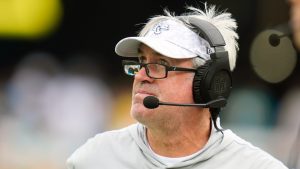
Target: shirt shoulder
106, 144
248, 153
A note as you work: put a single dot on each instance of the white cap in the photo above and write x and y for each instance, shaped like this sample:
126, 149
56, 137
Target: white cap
169, 38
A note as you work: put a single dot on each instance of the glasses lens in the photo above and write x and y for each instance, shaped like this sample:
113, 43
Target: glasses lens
131, 70
157, 70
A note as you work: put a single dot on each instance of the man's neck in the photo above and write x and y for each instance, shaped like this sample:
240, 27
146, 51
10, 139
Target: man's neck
185, 139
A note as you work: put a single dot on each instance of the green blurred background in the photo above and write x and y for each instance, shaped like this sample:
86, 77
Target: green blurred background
61, 82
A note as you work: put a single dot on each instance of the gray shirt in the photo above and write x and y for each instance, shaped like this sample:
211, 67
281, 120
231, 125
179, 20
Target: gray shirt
127, 149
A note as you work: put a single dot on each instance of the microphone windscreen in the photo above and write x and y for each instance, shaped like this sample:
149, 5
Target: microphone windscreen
151, 102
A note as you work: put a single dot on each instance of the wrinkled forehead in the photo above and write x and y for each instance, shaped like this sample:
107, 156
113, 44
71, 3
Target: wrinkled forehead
149, 53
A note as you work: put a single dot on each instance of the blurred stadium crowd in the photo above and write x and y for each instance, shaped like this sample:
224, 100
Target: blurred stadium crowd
61, 83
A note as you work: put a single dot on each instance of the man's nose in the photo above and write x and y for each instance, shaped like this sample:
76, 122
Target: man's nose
142, 76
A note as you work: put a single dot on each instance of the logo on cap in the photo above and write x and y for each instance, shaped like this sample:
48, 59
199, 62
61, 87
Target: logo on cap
209, 50
159, 27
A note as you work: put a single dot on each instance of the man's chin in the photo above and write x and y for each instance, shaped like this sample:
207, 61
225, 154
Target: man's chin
139, 112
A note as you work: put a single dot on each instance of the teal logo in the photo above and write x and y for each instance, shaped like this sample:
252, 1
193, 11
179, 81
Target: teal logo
160, 27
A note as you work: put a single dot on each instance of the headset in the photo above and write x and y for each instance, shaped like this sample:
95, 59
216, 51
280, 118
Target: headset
213, 80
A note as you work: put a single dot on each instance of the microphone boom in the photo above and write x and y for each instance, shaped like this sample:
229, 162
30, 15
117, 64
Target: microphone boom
152, 102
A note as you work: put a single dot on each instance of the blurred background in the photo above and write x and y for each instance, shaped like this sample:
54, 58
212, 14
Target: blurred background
61, 82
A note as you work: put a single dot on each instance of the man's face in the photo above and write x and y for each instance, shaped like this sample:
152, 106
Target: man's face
295, 21
177, 87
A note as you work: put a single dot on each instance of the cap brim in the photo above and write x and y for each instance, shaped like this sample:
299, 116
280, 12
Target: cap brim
128, 47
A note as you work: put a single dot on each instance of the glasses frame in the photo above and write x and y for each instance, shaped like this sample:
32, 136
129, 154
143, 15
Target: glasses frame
167, 68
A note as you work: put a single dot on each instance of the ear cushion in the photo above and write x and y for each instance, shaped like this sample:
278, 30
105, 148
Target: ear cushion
198, 82
211, 82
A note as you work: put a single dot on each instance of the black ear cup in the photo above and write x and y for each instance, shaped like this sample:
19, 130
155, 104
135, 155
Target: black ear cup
211, 81
220, 85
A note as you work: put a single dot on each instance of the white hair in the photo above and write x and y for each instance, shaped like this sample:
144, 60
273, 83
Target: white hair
221, 20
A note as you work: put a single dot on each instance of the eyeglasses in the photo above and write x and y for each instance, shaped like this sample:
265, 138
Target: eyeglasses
153, 70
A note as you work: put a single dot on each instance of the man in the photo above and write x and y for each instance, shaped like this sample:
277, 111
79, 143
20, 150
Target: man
177, 66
